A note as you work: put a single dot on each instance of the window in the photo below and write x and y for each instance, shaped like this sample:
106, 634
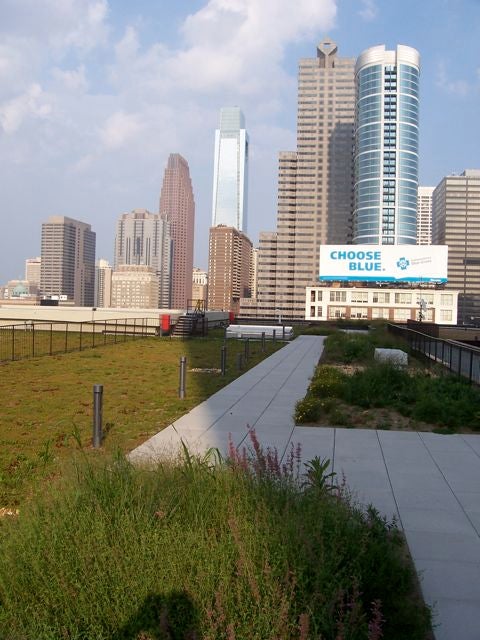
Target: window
337, 312
359, 312
312, 311
445, 315
401, 314
338, 296
381, 296
428, 297
359, 296
446, 299
312, 295
380, 313
403, 298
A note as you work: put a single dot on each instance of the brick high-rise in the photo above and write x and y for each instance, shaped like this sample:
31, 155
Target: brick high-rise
178, 206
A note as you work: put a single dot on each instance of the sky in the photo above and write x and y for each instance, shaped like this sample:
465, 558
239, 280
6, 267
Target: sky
95, 95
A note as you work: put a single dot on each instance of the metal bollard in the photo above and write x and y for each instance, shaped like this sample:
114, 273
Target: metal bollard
283, 332
274, 336
183, 373
239, 361
263, 341
246, 349
223, 360
97, 415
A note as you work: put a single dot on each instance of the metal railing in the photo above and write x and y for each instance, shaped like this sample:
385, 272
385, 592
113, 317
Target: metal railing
32, 339
459, 358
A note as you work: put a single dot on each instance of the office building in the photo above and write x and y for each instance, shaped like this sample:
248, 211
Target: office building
456, 222
254, 272
134, 287
229, 268
144, 238
386, 303
68, 260
230, 171
32, 271
103, 283
386, 146
424, 215
199, 285
177, 205
315, 186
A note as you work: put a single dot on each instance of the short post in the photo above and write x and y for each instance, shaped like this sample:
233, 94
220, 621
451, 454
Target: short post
246, 349
183, 372
283, 332
263, 341
223, 360
239, 361
97, 415
274, 335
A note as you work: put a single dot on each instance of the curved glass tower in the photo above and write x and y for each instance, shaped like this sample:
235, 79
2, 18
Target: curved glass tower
386, 146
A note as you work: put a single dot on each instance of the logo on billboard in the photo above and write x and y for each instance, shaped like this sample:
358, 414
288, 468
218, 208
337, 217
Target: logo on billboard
403, 264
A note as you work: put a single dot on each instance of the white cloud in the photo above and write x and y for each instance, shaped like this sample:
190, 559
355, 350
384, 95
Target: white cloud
119, 129
72, 79
369, 10
229, 45
458, 87
60, 24
32, 103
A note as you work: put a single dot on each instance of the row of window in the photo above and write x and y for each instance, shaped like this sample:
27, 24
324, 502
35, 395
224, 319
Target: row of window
381, 297
378, 313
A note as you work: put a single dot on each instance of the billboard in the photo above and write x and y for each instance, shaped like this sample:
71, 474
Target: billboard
383, 263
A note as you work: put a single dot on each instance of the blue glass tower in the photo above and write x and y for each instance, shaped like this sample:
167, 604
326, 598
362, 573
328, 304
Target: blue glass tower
386, 146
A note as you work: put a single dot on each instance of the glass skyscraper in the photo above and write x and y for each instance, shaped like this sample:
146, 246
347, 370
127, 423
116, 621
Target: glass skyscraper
386, 146
230, 174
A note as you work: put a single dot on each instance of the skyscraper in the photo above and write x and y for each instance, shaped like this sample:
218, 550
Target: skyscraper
386, 146
103, 283
424, 215
68, 260
177, 205
229, 267
145, 238
32, 271
456, 222
315, 185
230, 171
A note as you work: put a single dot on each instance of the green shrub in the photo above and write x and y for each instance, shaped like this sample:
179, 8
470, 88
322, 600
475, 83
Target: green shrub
348, 348
309, 409
327, 381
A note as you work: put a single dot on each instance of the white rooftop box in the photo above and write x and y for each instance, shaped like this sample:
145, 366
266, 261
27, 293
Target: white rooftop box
255, 331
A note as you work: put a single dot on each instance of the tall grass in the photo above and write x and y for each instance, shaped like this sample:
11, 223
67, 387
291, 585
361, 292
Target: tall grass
237, 550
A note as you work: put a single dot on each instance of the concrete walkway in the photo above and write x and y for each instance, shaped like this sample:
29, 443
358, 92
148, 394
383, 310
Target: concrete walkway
431, 483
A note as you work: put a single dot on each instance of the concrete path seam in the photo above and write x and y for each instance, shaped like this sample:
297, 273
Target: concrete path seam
389, 480
448, 485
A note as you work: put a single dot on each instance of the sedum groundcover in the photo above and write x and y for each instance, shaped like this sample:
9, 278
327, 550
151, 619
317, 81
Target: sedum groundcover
244, 548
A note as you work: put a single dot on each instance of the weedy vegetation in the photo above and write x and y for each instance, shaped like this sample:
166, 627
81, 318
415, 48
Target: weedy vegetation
246, 548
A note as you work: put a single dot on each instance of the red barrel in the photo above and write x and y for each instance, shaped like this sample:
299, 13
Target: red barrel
231, 317
165, 322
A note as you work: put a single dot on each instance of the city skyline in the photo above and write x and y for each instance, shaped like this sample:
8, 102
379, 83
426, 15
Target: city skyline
79, 137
